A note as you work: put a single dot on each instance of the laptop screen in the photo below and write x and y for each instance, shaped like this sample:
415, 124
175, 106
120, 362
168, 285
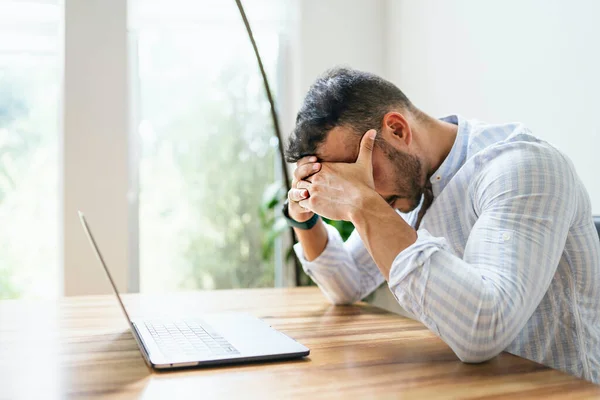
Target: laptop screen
88, 232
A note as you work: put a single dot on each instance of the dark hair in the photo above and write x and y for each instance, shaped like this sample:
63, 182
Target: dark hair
342, 97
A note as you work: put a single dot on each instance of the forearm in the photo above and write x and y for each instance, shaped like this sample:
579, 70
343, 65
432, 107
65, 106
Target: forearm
344, 271
422, 270
384, 232
313, 240
459, 302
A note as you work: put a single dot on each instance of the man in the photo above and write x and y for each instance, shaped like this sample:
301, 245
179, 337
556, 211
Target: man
483, 232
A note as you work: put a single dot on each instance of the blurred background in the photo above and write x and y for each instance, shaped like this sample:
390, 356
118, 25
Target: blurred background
150, 117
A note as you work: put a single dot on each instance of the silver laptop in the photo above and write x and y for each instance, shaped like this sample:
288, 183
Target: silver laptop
209, 339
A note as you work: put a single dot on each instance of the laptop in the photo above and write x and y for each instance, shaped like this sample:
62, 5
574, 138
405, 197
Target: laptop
203, 340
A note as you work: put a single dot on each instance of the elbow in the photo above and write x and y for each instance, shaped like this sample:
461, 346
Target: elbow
487, 337
333, 293
479, 354
341, 300
342, 303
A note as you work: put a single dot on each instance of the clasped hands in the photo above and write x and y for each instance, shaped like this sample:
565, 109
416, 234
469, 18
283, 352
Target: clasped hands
333, 190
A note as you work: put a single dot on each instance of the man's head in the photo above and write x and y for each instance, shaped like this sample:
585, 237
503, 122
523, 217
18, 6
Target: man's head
339, 108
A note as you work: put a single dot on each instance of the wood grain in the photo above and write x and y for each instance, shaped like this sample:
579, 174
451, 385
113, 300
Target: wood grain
81, 348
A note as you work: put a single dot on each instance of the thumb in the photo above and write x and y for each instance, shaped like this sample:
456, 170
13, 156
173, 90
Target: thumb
367, 144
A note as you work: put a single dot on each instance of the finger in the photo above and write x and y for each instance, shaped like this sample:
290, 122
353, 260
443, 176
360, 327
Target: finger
303, 185
298, 194
367, 143
304, 204
306, 159
306, 170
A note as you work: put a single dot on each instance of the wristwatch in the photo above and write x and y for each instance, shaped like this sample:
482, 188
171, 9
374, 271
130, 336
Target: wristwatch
306, 225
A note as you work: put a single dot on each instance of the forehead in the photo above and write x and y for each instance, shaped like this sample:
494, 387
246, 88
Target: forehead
341, 144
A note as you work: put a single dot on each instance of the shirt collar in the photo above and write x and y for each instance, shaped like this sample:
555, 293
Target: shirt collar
455, 159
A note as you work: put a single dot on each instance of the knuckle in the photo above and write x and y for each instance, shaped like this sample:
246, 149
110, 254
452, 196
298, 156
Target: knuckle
301, 172
303, 160
298, 195
308, 170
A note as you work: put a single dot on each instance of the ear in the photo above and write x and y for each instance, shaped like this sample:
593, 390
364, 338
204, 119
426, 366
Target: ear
397, 127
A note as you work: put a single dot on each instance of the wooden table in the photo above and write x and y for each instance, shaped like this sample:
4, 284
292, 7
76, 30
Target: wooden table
81, 348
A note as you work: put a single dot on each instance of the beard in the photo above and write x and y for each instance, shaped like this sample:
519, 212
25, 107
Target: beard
408, 175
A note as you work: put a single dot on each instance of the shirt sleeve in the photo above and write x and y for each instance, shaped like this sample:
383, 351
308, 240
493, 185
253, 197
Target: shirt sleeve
478, 303
345, 272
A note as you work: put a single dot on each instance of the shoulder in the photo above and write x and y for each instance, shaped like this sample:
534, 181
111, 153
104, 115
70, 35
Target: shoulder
516, 168
512, 155
517, 150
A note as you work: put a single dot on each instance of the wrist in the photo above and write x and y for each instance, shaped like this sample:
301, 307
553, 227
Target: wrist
303, 217
368, 203
304, 225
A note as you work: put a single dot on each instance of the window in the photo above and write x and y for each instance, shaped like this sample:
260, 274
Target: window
207, 150
29, 106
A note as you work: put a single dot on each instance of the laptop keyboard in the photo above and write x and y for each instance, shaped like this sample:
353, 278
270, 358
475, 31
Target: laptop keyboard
189, 339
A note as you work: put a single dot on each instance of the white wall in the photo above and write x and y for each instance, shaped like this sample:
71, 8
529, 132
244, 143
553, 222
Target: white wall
331, 33
534, 61
341, 32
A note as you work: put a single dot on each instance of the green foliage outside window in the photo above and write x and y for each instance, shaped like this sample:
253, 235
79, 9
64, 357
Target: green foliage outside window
203, 176
240, 162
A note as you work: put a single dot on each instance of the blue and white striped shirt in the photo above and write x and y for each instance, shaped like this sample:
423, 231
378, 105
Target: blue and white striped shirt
507, 256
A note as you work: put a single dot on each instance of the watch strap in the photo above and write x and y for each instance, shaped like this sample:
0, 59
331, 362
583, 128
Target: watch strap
306, 225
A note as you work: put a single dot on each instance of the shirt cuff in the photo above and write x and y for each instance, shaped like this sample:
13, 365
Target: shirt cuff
415, 256
327, 261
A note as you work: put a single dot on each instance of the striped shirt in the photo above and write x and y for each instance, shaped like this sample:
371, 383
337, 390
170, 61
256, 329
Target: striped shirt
507, 256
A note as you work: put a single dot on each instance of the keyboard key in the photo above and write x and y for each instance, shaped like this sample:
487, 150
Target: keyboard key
183, 338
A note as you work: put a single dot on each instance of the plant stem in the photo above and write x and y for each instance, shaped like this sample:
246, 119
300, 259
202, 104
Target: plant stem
275, 119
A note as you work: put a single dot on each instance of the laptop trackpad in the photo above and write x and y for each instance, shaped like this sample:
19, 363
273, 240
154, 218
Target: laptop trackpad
250, 335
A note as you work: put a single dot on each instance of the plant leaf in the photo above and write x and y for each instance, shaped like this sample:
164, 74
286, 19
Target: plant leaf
272, 195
